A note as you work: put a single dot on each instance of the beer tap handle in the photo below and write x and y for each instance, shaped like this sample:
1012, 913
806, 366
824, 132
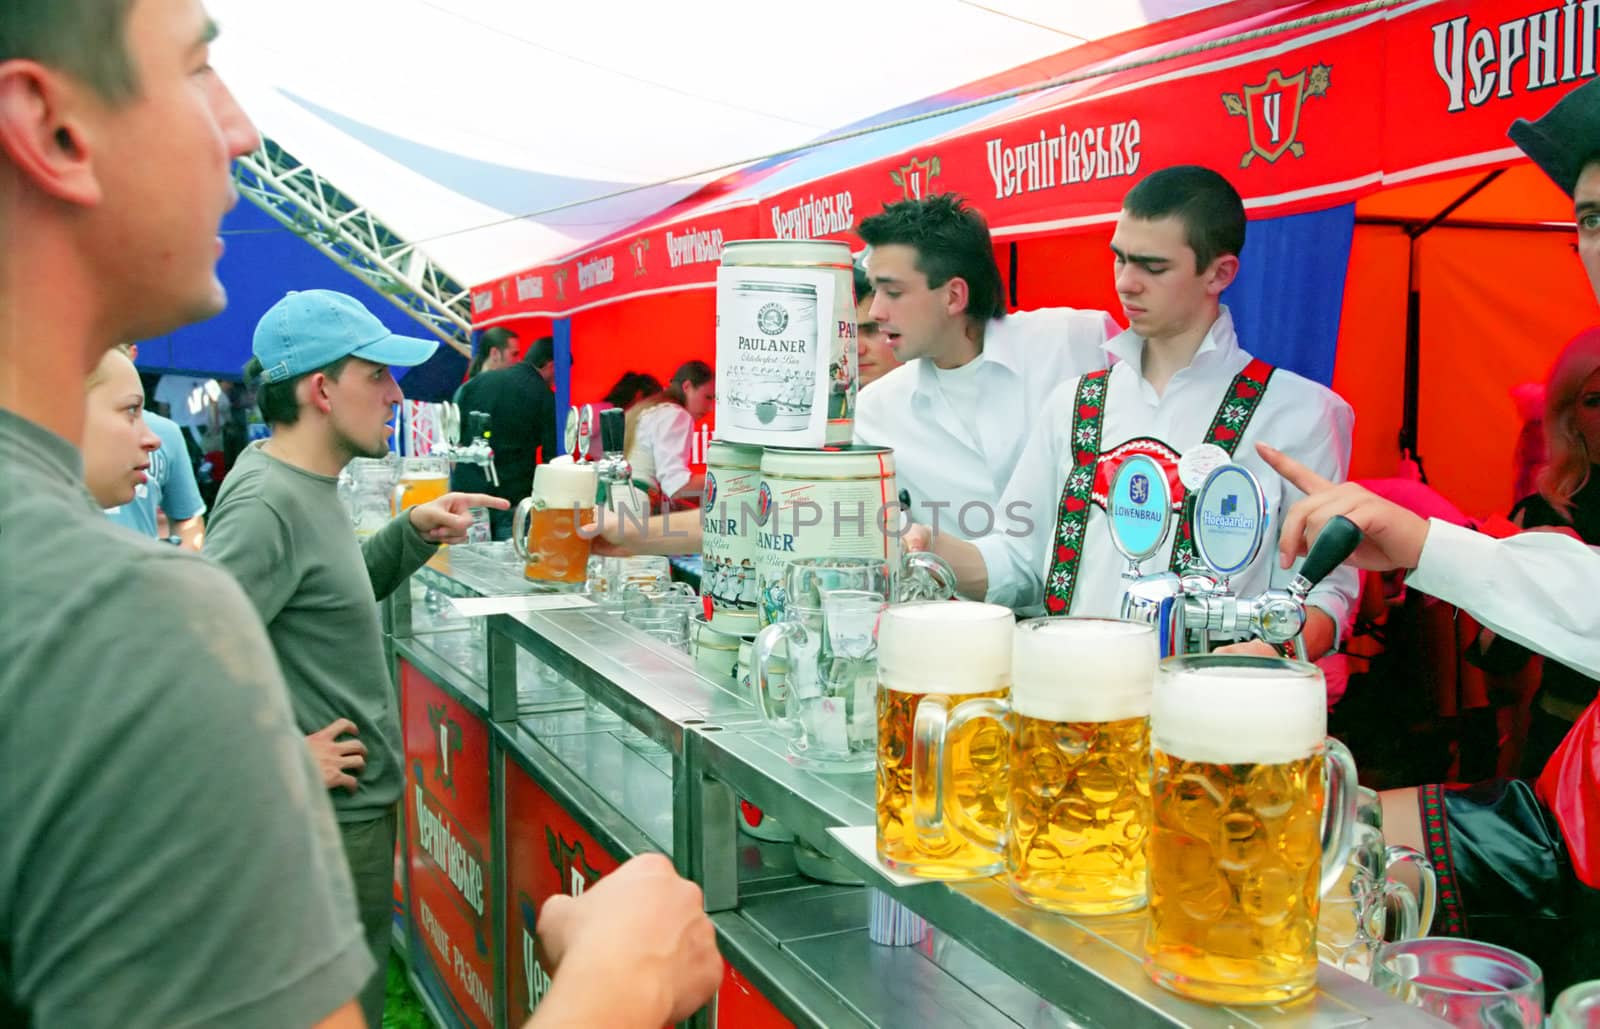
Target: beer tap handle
1336, 542
612, 429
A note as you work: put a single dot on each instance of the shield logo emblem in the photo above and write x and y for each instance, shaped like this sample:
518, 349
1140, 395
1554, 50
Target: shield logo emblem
570, 864
560, 275
1139, 489
1273, 112
915, 177
639, 247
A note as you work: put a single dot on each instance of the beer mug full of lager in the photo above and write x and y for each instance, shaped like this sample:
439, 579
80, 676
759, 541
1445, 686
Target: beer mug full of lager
544, 530
1252, 815
931, 657
1078, 803
421, 479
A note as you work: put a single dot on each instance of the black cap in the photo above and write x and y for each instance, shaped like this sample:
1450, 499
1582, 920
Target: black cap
1566, 138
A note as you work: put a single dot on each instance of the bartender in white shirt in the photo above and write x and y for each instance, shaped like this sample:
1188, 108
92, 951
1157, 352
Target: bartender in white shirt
1181, 392
960, 408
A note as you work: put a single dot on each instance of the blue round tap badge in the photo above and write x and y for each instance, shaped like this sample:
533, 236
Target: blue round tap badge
1230, 519
1139, 508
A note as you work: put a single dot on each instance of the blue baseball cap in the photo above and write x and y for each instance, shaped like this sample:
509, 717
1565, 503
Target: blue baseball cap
313, 328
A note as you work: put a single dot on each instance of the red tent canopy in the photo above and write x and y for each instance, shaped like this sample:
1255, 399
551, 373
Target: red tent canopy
1401, 107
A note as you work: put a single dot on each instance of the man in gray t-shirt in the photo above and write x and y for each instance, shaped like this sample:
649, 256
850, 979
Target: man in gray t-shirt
321, 368
166, 857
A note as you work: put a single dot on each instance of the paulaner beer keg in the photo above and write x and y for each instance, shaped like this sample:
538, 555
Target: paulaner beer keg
729, 509
786, 343
823, 503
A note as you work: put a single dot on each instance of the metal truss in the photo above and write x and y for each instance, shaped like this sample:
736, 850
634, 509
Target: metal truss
315, 210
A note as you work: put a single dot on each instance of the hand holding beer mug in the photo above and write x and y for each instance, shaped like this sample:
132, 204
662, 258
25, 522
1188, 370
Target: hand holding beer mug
421, 479
1078, 806
1243, 840
932, 656
830, 631
544, 530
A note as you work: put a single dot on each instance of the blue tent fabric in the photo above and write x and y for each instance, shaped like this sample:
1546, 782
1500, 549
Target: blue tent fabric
1287, 300
264, 261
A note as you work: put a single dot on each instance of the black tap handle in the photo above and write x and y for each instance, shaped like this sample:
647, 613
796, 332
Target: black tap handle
612, 428
1337, 541
477, 424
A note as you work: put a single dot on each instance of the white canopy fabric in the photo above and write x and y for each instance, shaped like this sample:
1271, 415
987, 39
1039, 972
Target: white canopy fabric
485, 130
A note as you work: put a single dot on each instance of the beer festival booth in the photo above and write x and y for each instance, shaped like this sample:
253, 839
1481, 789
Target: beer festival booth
1400, 250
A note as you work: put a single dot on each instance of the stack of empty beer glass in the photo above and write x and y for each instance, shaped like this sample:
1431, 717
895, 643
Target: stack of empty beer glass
662, 612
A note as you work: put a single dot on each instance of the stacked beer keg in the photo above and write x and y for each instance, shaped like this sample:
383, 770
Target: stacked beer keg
782, 468
782, 478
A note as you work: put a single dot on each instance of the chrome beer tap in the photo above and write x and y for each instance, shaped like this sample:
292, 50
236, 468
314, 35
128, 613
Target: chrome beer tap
476, 451
614, 471
1139, 515
1198, 609
1278, 616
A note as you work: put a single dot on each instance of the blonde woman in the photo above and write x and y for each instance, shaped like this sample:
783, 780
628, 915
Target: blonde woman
1568, 501
117, 444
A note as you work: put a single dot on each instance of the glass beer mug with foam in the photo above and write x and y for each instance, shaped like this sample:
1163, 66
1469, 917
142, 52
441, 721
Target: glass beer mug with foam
1252, 814
931, 657
544, 529
421, 479
1078, 803
829, 630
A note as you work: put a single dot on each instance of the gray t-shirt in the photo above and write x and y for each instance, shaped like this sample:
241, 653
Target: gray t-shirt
286, 536
167, 857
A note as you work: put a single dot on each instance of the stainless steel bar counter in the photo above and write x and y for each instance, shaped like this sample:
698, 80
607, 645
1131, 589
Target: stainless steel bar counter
545, 747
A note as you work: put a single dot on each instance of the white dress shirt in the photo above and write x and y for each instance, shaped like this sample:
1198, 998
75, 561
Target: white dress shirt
937, 458
1535, 588
661, 444
1301, 418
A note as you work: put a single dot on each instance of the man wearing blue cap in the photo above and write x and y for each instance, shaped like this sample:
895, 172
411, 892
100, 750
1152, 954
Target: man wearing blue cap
322, 375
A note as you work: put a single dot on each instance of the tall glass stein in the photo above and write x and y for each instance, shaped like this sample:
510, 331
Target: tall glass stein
422, 479
1078, 803
544, 527
1252, 809
932, 656
1367, 906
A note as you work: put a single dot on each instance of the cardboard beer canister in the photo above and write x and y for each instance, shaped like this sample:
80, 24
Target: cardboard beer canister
786, 343
728, 511
839, 502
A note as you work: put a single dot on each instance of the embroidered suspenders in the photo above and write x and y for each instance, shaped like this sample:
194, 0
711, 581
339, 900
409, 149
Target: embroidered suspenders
1088, 417
1228, 426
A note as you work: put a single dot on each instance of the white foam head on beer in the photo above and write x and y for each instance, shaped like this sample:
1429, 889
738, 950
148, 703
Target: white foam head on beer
1233, 713
956, 646
1083, 669
565, 484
